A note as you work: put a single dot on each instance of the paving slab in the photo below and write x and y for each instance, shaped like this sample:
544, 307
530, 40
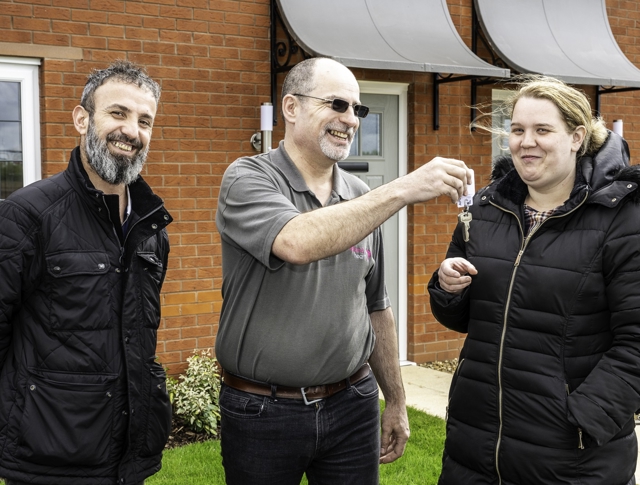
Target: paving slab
426, 389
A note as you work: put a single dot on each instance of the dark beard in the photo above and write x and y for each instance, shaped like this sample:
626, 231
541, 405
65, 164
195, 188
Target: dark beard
113, 169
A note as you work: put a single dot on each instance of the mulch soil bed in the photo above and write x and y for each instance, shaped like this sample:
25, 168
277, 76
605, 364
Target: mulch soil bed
181, 434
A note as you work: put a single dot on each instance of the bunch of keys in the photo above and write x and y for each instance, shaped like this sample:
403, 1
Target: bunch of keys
466, 201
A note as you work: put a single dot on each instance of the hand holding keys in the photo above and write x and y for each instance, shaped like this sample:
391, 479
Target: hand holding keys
466, 201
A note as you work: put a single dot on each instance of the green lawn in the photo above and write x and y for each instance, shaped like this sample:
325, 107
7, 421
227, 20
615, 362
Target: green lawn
201, 464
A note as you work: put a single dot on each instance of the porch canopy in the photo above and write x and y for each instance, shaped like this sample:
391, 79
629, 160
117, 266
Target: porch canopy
407, 35
567, 39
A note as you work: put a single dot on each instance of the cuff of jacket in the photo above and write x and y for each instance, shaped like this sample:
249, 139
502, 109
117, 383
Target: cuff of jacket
451, 310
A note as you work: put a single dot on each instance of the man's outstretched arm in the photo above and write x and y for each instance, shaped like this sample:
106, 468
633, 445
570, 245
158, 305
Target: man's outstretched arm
327, 231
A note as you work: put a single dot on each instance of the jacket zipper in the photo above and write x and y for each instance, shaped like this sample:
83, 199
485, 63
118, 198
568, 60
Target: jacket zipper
516, 264
129, 409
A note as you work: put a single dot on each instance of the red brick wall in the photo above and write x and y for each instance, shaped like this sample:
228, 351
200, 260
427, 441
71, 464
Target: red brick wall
212, 60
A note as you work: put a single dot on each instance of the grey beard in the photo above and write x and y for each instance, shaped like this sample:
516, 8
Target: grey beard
113, 169
331, 151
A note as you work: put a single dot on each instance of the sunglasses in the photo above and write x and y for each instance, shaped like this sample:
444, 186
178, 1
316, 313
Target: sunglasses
340, 105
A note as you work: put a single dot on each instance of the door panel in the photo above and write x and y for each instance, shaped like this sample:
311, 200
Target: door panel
376, 144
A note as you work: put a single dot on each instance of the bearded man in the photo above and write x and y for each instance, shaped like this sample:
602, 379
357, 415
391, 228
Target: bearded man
83, 256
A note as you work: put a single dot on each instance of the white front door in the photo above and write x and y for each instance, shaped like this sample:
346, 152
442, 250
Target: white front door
378, 155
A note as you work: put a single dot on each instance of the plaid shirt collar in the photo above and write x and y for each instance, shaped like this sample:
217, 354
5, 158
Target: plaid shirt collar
533, 218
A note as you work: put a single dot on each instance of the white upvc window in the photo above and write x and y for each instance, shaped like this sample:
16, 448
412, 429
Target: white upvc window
20, 162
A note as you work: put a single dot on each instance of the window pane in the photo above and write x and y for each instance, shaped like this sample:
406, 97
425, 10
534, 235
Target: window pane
10, 178
355, 145
10, 139
9, 101
371, 139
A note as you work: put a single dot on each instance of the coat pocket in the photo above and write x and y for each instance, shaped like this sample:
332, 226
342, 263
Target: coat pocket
76, 283
159, 413
151, 277
67, 419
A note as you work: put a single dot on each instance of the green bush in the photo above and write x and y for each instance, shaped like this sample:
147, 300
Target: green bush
194, 395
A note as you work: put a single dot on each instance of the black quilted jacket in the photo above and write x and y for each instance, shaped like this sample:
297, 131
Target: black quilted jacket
82, 399
549, 375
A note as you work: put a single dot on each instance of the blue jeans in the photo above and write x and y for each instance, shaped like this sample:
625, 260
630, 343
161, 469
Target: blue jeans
335, 441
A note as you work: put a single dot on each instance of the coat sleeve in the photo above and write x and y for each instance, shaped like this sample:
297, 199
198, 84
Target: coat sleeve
450, 310
16, 254
606, 400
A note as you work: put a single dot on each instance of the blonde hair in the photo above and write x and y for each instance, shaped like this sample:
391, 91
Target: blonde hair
572, 103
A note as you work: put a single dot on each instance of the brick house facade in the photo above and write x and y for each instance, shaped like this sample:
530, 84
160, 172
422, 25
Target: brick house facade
212, 59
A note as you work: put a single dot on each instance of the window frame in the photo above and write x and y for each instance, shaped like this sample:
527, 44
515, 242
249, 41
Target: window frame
25, 71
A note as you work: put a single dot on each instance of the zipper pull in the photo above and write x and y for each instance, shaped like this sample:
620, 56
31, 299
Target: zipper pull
517, 263
580, 445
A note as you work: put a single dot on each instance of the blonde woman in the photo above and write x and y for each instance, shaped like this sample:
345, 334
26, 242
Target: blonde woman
547, 289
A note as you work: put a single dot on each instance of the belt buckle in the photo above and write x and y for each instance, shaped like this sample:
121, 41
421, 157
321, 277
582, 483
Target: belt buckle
304, 397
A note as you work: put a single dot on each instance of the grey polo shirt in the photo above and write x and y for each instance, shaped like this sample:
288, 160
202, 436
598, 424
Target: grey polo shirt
293, 325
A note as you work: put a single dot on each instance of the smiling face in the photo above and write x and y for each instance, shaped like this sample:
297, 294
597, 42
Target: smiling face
543, 149
318, 130
116, 136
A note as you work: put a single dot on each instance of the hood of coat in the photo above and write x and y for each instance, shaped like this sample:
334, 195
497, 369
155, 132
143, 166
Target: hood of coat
599, 171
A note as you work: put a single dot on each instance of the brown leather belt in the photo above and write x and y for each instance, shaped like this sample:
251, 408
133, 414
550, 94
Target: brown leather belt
308, 394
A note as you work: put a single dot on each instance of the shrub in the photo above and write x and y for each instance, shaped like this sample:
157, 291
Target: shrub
194, 395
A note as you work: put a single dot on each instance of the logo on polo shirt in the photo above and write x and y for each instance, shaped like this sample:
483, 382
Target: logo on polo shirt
361, 253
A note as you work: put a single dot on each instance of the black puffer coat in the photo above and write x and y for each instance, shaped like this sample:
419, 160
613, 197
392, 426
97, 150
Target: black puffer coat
549, 376
83, 401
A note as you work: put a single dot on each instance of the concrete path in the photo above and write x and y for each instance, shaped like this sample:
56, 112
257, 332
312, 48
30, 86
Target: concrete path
428, 389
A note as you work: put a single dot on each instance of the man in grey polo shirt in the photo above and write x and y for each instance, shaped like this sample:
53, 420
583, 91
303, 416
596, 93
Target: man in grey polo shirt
305, 309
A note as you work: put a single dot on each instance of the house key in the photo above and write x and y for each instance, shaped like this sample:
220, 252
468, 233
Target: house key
465, 201
465, 219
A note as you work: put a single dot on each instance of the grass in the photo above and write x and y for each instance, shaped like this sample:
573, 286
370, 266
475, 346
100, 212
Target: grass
201, 463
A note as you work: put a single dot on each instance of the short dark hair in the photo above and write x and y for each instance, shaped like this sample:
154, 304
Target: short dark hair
122, 71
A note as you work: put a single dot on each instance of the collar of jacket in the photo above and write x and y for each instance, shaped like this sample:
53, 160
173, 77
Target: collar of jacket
143, 200
606, 176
